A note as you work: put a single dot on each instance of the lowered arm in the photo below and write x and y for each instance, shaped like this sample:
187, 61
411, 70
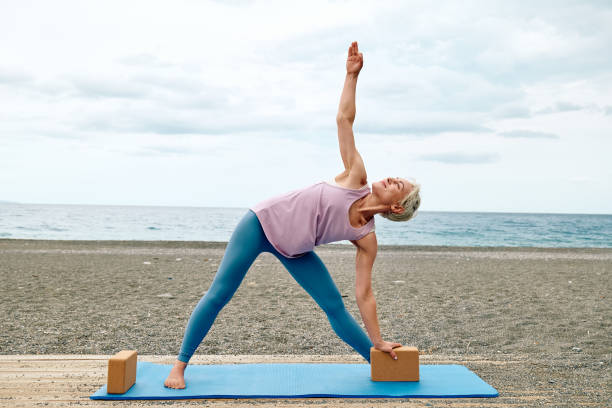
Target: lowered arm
366, 254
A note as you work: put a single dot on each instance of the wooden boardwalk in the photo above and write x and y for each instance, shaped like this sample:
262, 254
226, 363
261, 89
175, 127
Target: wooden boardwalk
69, 380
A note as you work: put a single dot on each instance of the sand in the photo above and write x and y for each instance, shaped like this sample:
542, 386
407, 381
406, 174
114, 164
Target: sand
532, 322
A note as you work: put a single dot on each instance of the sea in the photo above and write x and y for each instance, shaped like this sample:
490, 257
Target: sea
149, 223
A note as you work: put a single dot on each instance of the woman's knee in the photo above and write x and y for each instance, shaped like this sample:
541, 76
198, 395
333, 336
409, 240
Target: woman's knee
333, 306
217, 297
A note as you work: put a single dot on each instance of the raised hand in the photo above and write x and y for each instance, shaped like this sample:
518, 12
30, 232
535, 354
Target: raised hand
354, 61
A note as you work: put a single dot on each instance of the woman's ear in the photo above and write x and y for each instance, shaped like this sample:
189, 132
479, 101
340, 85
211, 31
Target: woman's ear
397, 209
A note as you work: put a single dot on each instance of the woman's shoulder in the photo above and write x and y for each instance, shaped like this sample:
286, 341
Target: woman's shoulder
367, 243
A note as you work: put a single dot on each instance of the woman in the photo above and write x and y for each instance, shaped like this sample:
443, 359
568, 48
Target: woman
291, 225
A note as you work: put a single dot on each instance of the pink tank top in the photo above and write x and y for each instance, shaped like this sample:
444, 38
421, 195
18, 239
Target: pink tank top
297, 221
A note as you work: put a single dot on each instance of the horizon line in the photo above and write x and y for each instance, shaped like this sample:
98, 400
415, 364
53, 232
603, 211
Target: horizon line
240, 208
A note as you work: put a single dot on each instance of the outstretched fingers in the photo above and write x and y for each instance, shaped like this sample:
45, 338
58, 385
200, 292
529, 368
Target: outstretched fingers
353, 49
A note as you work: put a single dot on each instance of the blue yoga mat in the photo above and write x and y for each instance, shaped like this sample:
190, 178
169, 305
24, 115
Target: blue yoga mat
300, 381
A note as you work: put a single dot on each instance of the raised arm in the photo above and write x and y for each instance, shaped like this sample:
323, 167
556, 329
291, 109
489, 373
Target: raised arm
346, 115
345, 119
354, 63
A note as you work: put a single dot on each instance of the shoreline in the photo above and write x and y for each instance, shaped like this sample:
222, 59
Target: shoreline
223, 244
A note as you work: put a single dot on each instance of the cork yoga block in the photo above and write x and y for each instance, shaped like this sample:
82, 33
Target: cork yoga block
385, 368
121, 372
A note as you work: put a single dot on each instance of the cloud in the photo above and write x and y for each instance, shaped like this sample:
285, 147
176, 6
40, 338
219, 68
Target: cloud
207, 122
25, 83
435, 88
515, 44
323, 47
10, 76
162, 151
516, 110
461, 158
143, 59
422, 128
89, 87
529, 134
561, 107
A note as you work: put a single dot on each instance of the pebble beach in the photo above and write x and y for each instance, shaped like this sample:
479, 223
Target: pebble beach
547, 308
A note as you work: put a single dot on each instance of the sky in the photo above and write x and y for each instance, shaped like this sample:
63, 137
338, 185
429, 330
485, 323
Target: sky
490, 106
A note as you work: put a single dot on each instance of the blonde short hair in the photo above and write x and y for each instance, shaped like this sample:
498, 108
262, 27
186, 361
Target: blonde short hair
411, 203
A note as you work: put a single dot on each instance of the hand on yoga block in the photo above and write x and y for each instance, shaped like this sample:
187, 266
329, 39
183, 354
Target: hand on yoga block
385, 368
121, 372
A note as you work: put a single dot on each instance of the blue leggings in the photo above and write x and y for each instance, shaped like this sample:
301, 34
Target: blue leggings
246, 243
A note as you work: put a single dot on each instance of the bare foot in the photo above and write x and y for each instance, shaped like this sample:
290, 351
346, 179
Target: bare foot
176, 378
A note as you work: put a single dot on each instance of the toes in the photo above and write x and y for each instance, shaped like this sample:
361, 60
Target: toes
174, 384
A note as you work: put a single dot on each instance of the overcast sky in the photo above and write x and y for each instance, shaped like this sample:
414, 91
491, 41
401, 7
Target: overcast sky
490, 106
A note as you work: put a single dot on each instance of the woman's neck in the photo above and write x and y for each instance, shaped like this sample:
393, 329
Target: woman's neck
368, 206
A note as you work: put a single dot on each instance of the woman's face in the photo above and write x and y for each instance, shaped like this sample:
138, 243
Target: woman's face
390, 190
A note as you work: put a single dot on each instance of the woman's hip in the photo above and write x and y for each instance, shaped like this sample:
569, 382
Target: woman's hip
248, 235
